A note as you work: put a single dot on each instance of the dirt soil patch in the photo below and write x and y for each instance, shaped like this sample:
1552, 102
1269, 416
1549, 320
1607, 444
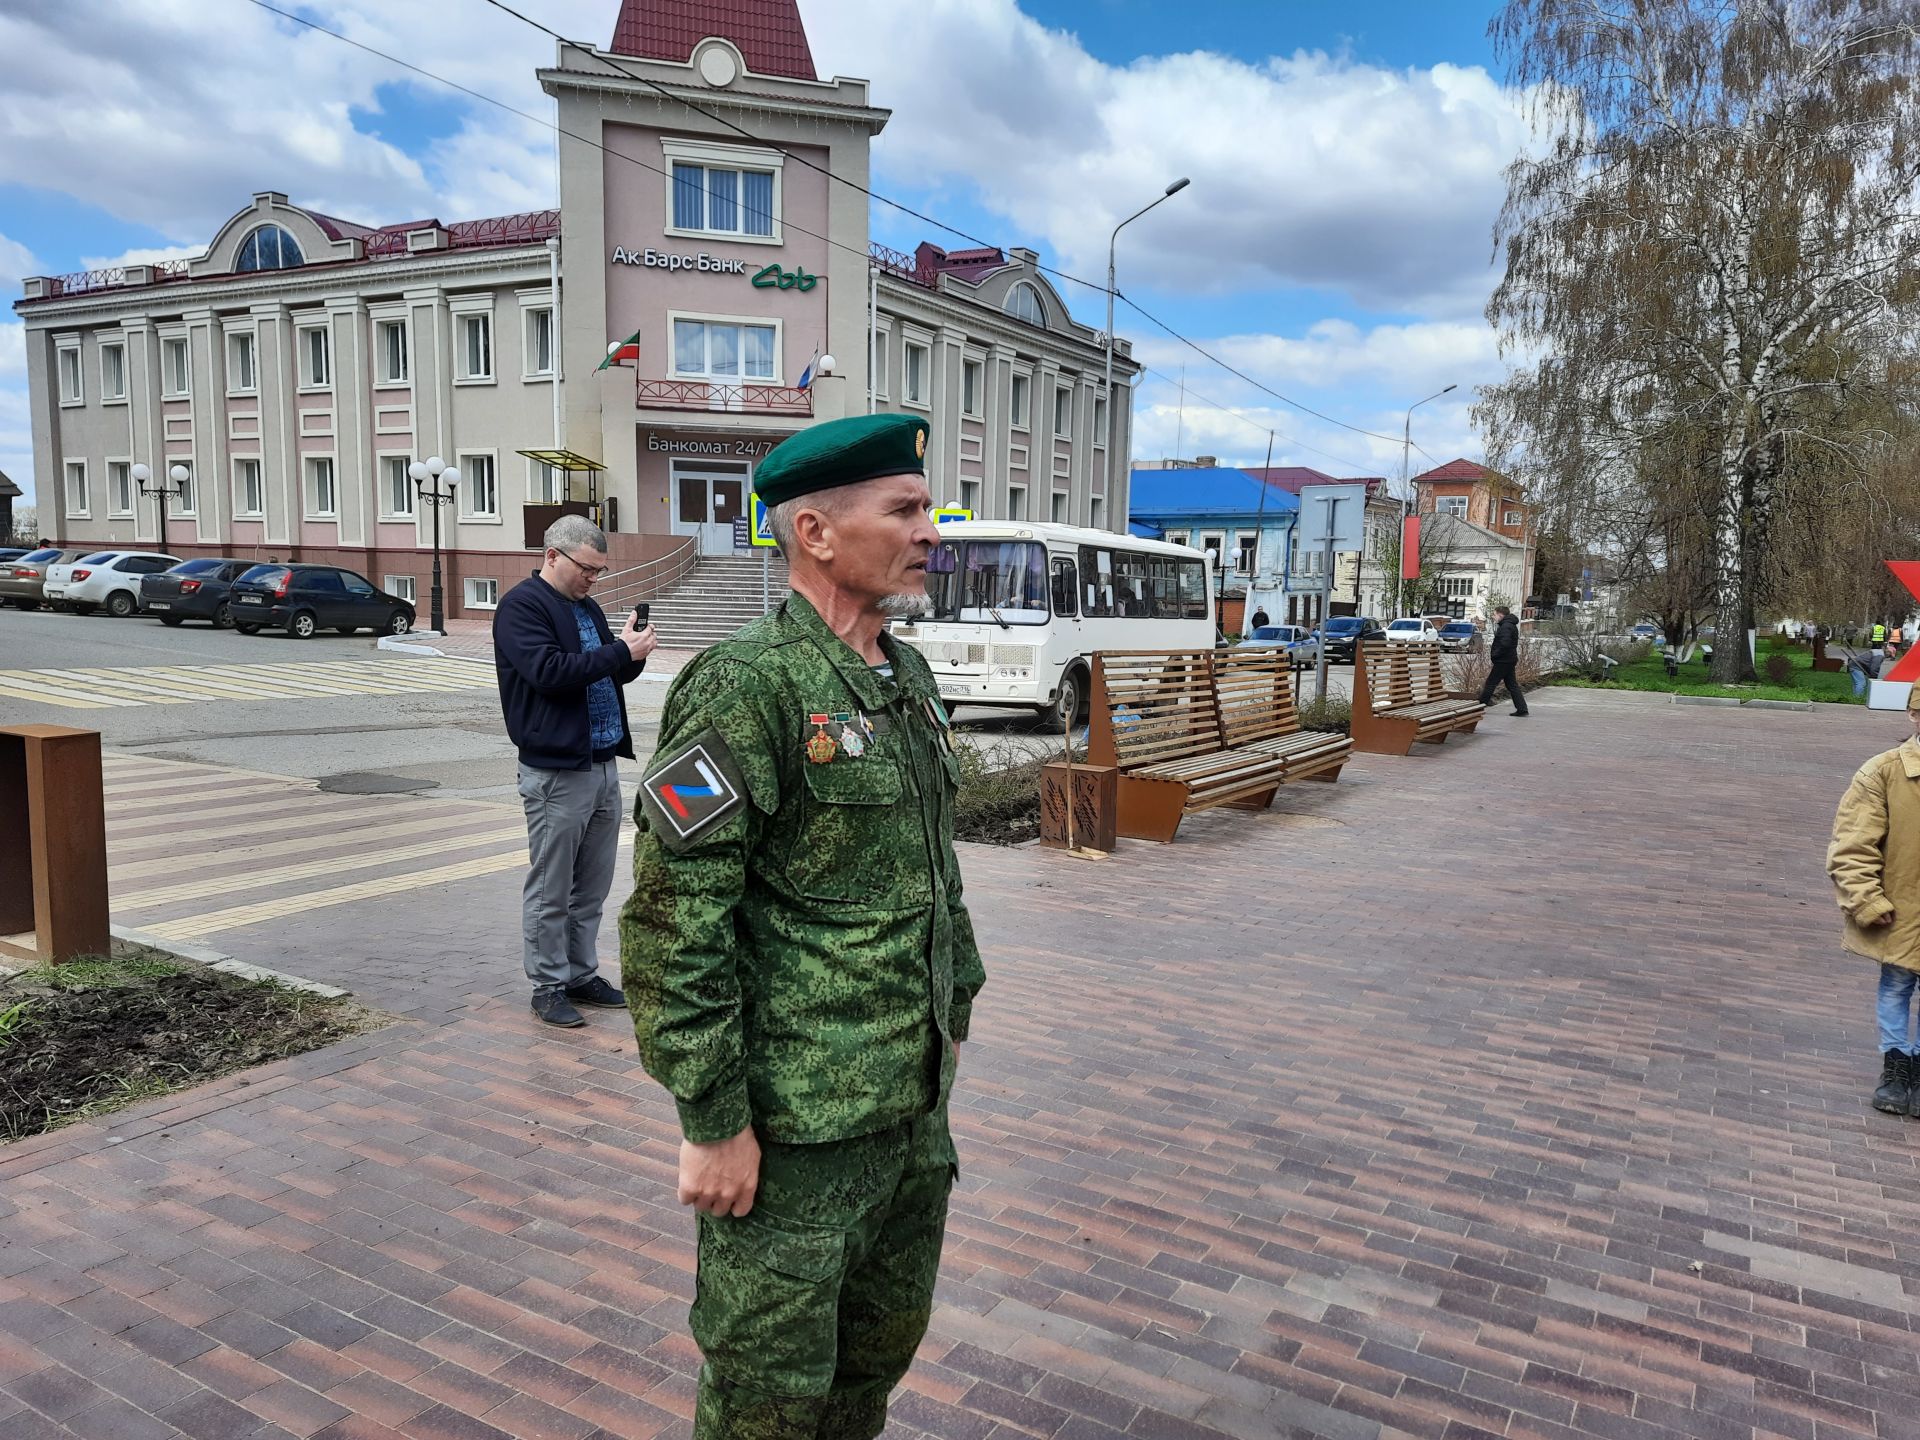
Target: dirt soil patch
80, 1039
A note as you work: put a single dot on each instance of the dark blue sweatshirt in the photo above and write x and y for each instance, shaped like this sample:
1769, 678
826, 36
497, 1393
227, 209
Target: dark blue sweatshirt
544, 675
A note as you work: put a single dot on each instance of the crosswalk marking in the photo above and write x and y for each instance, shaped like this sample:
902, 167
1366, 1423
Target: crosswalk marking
363, 859
101, 687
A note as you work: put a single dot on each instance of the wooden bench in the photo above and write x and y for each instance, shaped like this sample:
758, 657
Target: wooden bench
1255, 694
1155, 720
1822, 660
1400, 696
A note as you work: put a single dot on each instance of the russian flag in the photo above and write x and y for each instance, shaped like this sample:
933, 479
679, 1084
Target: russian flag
806, 375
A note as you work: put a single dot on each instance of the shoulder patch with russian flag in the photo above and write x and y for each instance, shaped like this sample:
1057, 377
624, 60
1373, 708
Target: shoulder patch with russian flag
688, 793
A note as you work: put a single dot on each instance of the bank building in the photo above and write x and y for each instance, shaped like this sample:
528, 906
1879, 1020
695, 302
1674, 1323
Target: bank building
707, 286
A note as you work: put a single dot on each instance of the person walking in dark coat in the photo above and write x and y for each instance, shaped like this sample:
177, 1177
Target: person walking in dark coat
1502, 656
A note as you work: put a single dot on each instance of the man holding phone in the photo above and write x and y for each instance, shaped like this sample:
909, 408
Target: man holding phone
561, 671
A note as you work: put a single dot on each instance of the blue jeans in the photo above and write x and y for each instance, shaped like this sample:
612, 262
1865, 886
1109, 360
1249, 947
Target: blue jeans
1895, 1007
1859, 680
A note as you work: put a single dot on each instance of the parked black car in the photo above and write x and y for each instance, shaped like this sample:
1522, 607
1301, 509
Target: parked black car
193, 590
304, 598
1342, 633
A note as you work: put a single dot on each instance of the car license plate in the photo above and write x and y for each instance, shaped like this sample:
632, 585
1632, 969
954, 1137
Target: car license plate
948, 687
158, 605
251, 600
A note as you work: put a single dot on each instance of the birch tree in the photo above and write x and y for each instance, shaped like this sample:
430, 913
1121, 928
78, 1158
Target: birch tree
1716, 234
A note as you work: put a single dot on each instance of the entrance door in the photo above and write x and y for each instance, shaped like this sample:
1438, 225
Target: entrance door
706, 501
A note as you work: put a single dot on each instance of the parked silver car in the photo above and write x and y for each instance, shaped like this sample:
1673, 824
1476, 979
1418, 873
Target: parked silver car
23, 582
1298, 641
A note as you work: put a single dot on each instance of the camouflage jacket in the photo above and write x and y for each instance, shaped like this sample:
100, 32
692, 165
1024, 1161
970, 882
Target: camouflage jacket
795, 952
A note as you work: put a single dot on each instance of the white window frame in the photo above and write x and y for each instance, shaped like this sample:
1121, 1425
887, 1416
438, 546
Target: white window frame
68, 471
1454, 505
923, 400
474, 590
1100, 422
310, 383
107, 396
1177, 537
1016, 502
168, 371
1062, 504
383, 378
699, 317
530, 320
1060, 433
67, 366
1514, 517
243, 342
401, 587
713, 156
970, 496
880, 363
540, 494
241, 509
464, 320
464, 459
1020, 401
382, 460
124, 467
973, 375
1247, 542
1095, 520
183, 498
308, 475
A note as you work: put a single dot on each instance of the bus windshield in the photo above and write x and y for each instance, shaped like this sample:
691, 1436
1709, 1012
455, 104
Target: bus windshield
989, 581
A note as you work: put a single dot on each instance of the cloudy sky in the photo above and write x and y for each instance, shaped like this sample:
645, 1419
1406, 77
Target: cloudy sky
1335, 243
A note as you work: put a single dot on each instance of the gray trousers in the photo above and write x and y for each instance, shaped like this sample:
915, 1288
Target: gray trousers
573, 835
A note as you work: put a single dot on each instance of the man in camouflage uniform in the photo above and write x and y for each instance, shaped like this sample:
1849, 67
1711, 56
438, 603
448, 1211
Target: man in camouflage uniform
798, 960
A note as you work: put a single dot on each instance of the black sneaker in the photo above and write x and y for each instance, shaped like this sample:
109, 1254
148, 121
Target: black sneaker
1519, 714
597, 993
554, 1008
1896, 1078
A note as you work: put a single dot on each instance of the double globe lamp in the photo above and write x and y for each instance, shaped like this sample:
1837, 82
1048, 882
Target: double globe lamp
434, 472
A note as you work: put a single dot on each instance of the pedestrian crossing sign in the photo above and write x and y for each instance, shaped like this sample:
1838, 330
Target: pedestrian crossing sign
762, 532
947, 513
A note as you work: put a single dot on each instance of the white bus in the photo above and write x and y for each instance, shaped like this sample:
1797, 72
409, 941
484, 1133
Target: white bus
1019, 609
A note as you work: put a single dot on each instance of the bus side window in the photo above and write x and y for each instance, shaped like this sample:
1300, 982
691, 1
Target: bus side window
1065, 588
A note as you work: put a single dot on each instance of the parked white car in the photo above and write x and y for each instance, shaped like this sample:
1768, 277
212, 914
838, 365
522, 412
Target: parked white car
108, 579
1411, 628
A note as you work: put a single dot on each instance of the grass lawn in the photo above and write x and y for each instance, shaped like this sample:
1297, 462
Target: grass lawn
1830, 687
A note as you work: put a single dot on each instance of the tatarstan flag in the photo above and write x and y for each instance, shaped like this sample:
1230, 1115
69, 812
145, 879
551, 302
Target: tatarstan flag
626, 352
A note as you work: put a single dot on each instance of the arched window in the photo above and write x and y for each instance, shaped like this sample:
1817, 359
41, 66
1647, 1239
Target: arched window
269, 248
1023, 303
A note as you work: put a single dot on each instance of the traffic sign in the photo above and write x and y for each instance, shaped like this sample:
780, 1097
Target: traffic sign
762, 534
951, 512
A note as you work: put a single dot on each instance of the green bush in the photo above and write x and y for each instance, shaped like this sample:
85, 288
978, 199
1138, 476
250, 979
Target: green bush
1334, 713
1779, 668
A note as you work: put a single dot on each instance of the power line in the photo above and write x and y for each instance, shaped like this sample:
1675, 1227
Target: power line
801, 160
1255, 424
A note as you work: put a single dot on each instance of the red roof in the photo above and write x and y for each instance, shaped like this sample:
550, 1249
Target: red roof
768, 32
1291, 477
973, 265
1456, 470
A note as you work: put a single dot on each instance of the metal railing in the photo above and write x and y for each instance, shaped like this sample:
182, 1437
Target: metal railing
652, 578
907, 267
730, 399
523, 229
82, 282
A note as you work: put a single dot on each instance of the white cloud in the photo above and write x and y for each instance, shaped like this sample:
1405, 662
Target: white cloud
173, 113
142, 255
1307, 169
15, 261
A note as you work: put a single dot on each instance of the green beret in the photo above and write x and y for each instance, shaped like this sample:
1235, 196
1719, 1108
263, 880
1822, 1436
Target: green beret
842, 452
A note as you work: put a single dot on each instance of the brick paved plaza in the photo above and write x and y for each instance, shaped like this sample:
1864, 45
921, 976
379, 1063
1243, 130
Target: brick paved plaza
1516, 1088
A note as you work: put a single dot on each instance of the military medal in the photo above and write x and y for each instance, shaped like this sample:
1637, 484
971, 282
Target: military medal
821, 746
851, 739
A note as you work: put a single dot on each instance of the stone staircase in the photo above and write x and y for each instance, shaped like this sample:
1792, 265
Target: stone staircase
719, 595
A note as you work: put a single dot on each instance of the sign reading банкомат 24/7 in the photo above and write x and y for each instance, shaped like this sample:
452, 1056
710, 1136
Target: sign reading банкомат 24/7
666, 260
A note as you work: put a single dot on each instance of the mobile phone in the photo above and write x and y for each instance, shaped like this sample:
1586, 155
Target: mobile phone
640, 613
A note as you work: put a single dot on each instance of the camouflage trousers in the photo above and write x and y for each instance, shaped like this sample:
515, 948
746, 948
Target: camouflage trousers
808, 1308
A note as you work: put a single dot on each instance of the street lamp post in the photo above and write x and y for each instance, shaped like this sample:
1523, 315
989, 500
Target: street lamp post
1112, 243
147, 485
1220, 565
1406, 498
425, 473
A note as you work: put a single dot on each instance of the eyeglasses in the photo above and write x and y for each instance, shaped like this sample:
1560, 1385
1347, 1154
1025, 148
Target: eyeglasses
592, 572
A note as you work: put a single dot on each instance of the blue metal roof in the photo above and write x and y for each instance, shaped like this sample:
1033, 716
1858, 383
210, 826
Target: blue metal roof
1159, 498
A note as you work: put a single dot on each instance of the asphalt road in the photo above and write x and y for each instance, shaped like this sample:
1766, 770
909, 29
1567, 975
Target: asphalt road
452, 743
